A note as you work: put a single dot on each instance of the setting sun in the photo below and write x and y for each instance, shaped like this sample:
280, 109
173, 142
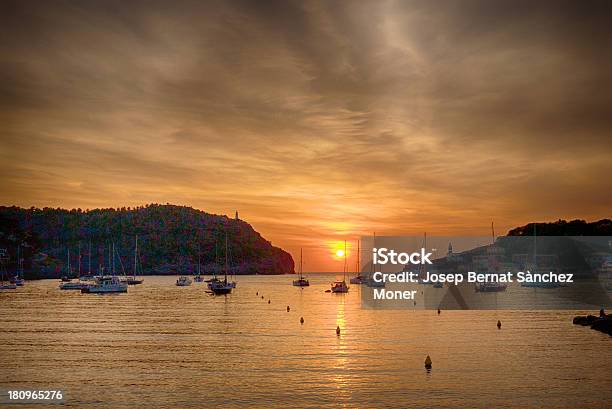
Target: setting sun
339, 253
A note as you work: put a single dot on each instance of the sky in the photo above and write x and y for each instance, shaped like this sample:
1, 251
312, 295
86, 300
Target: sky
317, 121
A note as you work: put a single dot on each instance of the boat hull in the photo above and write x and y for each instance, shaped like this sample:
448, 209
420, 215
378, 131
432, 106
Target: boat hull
93, 290
301, 283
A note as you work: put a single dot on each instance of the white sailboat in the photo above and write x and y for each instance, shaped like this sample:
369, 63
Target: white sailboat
108, 284
183, 281
301, 282
340, 286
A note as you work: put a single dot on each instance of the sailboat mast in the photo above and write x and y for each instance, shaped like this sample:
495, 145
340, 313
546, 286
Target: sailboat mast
226, 265
89, 259
79, 260
344, 271
135, 255
301, 271
358, 254
68, 273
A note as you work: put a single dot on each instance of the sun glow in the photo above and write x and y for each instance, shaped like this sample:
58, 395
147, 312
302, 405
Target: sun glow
339, 253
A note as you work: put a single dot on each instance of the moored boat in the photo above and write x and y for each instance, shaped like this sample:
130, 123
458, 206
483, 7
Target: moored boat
105, 285
183, 281
301, 282
340, 286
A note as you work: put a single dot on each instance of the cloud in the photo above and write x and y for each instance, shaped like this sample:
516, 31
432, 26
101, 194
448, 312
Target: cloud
316, 120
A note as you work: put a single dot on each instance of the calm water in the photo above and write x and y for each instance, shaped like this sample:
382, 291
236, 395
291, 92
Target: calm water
167, 346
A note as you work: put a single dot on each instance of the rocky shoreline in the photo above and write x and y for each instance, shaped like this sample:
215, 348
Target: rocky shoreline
603, 323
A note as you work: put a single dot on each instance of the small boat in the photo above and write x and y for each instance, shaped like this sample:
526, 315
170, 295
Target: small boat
74, 285
490, 287
220, 287
375, 284
301, 282
8, 287
106, 285
18, 281
198, 276
132, 280
359, 278
540, 284
340, 286
183, 281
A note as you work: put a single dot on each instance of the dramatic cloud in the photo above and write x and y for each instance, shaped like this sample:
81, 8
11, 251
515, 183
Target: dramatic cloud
318, 121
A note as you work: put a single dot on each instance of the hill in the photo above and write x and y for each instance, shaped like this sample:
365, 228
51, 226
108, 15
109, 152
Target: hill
563, 228
170, 238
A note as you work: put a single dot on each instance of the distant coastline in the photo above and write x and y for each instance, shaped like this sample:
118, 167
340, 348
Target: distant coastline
172, 239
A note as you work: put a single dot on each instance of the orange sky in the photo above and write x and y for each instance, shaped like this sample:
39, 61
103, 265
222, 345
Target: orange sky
318, 122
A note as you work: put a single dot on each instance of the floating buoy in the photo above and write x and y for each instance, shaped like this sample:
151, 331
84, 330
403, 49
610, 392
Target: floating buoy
301, 320
338, 330
428, 362
268, 301
257, 293
288, 308
438, 311
262, 297
498, 324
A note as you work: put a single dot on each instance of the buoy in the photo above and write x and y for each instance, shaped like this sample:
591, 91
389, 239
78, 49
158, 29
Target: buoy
438, 311
338, 330
301, 320
257, 293
498, 324
428, 362
268, 301
288, 308
262, 297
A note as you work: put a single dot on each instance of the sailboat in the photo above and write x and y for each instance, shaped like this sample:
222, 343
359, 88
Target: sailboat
370, 282
301, 282
340, 286
108, 284
198, 277
70, 285
132, 280
183, 281
493, 287
223, 287
358, 279
537, 284
18, 279
3, 284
